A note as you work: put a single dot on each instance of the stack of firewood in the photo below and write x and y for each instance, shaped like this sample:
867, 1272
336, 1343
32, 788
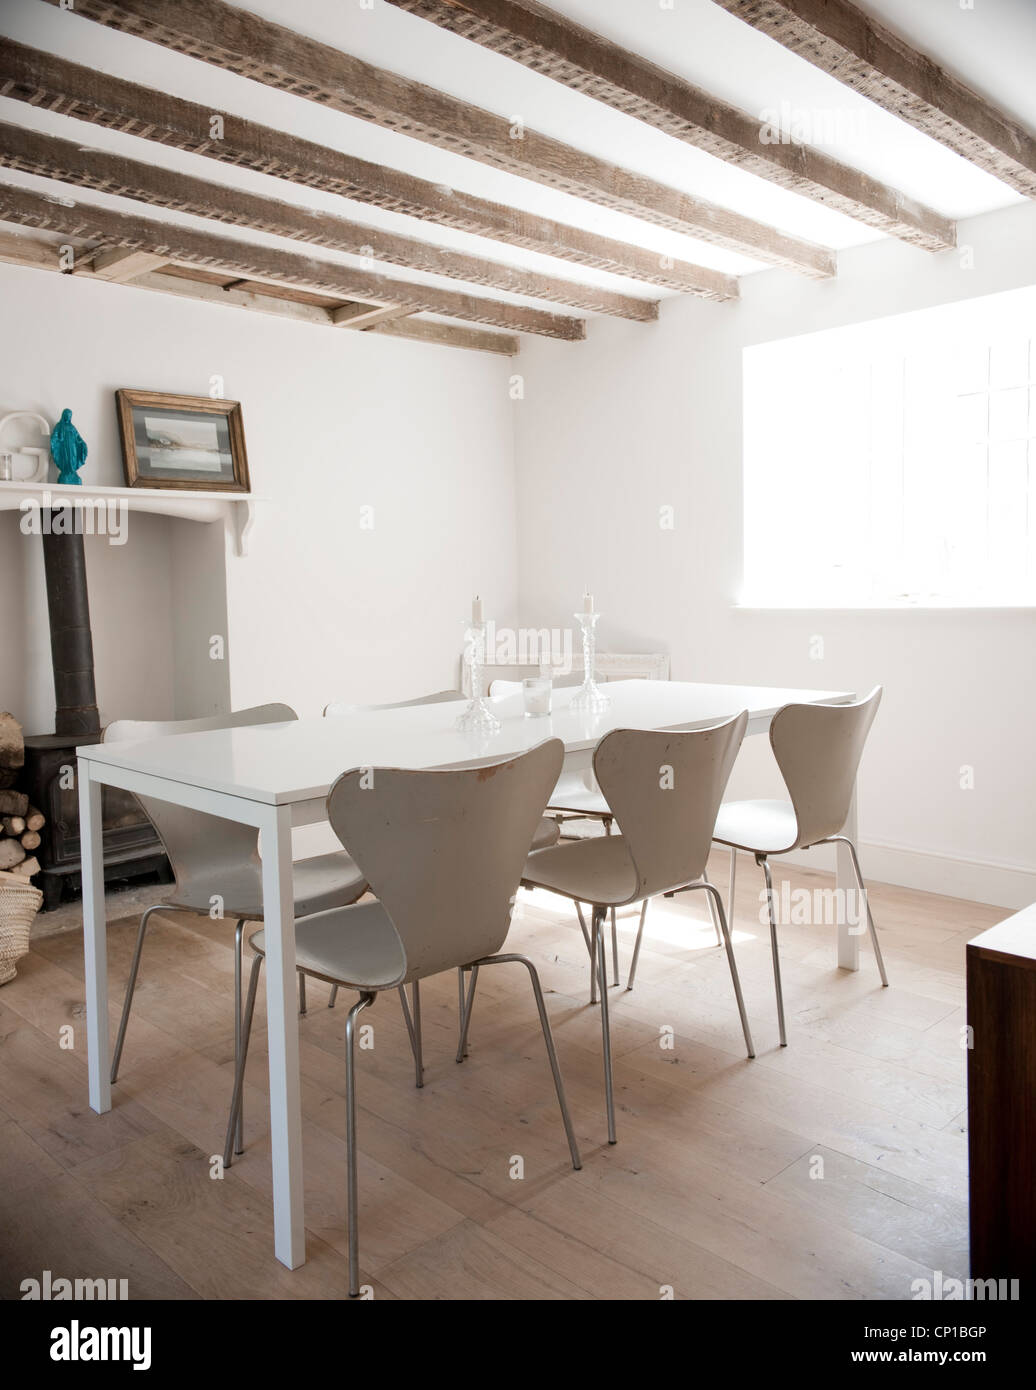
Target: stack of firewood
20, 823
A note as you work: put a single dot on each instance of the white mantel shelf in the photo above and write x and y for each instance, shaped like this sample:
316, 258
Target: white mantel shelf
235, 509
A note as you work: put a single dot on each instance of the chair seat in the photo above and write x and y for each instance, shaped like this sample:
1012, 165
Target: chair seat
761, 827
325, 881
590, 871
352, 946
548, 833
579, 799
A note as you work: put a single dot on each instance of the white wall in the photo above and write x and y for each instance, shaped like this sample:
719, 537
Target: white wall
333, 421
643, 416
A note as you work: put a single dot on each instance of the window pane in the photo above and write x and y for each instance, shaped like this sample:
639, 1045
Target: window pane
894, 460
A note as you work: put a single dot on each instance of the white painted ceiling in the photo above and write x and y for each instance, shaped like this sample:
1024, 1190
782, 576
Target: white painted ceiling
992, 47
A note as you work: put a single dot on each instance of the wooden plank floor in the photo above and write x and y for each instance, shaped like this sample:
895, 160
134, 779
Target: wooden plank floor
834, 1168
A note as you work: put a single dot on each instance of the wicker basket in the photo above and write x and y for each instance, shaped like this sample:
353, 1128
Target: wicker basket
19, 905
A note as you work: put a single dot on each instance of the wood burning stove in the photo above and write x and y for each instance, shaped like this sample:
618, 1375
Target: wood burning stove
130, 844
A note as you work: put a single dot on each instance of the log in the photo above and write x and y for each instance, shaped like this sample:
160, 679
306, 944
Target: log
13, 803
35, 820
13, 825
12, 744
27, 868
30, 840
11, 853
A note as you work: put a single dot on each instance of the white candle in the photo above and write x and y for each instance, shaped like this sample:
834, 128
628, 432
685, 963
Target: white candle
477, 612
588, 602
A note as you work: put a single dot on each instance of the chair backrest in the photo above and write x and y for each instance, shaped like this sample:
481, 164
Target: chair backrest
500, 689
440, 697
201, 848
665, 789
444, 851
818, 750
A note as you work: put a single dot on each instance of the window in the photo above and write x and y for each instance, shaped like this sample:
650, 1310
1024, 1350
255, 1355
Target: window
894, 462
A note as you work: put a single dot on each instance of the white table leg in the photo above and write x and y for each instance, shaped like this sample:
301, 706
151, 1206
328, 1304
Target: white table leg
95, 940
851, 923
283, 1038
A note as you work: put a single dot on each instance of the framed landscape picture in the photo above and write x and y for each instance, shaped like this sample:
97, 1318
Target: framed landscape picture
182, 442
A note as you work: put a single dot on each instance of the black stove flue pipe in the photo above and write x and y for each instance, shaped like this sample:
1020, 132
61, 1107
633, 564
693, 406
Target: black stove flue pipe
71, 643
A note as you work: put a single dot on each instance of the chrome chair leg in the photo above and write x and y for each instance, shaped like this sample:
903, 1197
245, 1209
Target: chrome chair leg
591, 950
636, 947
548, 1038
606, 1041
722, 918
762, 861
460, 1005
239, 931
582, 926
413, 1028
730, 888
131, 984
364, 1001
615, 934
712, 911
844, 840
334, 996
593, 954
415, 990
465, 1017
239, 1070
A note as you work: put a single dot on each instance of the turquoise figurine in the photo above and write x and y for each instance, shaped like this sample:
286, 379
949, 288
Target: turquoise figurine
68, 450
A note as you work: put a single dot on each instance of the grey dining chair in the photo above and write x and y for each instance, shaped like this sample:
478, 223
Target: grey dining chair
818, 750
443, 852
572, 799
214, 858
666, 788
575, 799
547, 833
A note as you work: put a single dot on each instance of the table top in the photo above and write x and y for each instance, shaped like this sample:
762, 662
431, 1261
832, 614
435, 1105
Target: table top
298, 761
1012, 941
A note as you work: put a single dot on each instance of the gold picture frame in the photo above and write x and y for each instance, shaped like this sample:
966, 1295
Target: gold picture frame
182, 442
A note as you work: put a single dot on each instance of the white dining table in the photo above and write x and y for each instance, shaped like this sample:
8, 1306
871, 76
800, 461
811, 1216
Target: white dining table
275, 776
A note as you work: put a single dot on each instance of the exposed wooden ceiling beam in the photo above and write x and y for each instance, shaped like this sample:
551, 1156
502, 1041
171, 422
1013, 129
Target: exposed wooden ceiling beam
29, 251
554, 45
366, 315
244, 43
43, 255
423, 330
122, 266
183, 244
841, 40
41, 79
427, 331
71, 162
165, 283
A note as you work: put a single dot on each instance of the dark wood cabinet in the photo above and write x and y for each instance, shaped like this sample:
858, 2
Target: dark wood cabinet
1002, 1101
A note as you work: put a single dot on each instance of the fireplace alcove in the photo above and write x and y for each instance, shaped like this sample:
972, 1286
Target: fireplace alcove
156, 601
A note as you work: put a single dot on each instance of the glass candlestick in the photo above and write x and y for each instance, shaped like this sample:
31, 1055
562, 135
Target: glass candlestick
589, 697
478, 718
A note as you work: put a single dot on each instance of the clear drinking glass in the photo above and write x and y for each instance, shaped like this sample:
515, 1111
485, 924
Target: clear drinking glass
536, 696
